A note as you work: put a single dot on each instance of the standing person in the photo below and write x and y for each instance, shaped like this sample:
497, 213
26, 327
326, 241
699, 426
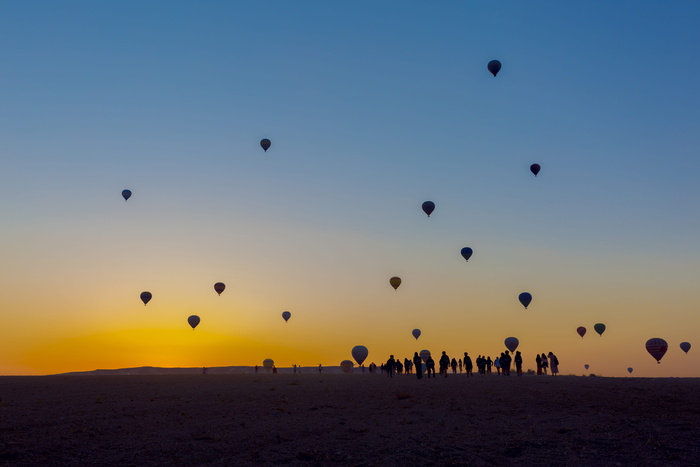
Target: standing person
538, 360
553, 363
468, 365
518, 363
444, 363
256, 369
460, 365
430, 366
489, 364
418, 364
545, 363
497, 364
505, 362
320, 368
390, 366
454, 366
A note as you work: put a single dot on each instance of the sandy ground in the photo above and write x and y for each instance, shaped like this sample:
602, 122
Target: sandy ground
312, 419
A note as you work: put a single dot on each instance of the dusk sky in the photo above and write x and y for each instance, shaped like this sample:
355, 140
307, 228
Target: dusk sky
372, 108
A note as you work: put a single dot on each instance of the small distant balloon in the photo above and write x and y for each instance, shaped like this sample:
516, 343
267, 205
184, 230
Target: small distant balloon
268, 363
146, 297
346, 366
525, 299
286, 315
511, 343
219, 287
126, 194
586, 366
359, 353
395, 282
428, 207
657, 348
416, 333
535, 169
265, 144
630, 370
467, 253
599, 328
685, 346
424, 355
581, 331
193, 320
494, 67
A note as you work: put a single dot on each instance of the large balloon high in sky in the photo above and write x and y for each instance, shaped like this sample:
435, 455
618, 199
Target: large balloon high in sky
193, 321
599, 328
581, 331
146, 297
535, 169
511, 343
494, 67
286, 315
416, 333
359, 353
219, 287
685, 346
657, 348
266, 143
126, 194
525, 299
467, 253
395, 282
428, 207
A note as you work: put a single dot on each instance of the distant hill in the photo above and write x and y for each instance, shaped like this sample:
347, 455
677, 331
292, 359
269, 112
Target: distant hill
217, 370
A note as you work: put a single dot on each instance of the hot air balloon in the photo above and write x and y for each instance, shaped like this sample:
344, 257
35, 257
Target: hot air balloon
535, 169
685, 346
581, 331
265, 144
416, 333
494, 67
630, 370
286, 315
146, 297
219, 287
268, 363
428, 207
193, 320
126, 194
395, 282
525, 298
599, 328
424, 354
586, 366
359, 353
511, 343
467, 253
346, 366
657, 348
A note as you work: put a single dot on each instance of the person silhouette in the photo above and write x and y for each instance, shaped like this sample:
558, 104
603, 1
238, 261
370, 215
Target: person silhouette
390, 366
418, 363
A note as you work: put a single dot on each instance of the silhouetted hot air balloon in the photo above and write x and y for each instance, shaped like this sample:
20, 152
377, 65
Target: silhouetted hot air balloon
685, 346
193, 320
586, 366
359, 353
219, 287
657, 348
126, 194
581, 331
511, 343
428, 207
416, 333
599, 328
535, 169
630, 370
146, 297
268, 363
525, 298
424, 354
286, 315
346, 366
395, 282
494, 67
265, 144
467, 253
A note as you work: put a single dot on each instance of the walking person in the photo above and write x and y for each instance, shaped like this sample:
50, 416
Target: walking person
468, 365
418, 363
390, 366
518, 363
430, 366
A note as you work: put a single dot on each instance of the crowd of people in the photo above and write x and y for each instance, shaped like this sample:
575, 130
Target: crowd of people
484, 364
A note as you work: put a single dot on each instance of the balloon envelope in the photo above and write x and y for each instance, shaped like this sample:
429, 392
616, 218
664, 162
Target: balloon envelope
416, 333
424, 354
395, 282
630, 370
193, 320
525, 298
511, 343
286, 315
428, 207
219, 287
467, 253
346, 366
599, 328
657, 348
126, 194
359, 353
146, 297
265, 144
581, 331
685, 346
535, 169
268, 363
494, 67
586, 366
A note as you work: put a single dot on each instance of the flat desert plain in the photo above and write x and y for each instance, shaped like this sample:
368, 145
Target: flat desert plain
358, 419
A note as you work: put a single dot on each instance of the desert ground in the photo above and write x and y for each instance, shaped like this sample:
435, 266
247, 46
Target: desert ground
358, 419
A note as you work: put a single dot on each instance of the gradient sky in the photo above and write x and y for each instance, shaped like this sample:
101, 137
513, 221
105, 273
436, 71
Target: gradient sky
372, 108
